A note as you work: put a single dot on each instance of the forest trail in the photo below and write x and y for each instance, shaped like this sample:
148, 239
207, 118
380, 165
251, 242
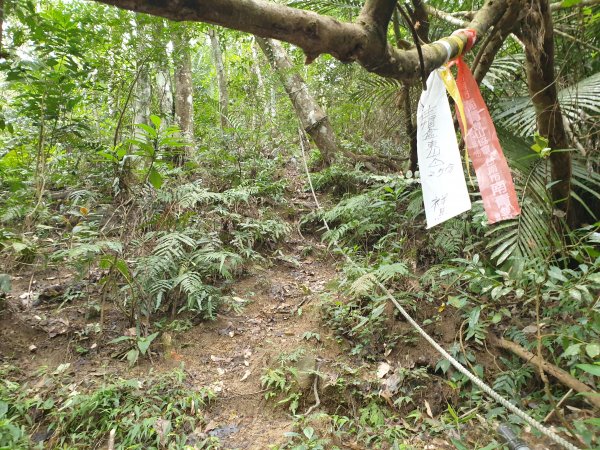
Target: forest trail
280, 326
230, 354
281, 319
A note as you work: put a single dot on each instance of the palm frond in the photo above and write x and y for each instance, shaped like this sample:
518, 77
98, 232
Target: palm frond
532, 234
518, 113
345, 8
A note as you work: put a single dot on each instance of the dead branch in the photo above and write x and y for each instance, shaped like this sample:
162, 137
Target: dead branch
562, 376
487, 52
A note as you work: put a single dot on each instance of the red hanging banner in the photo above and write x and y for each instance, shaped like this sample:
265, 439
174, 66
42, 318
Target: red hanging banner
495, 182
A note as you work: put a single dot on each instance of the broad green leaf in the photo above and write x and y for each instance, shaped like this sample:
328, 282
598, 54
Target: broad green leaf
5, 284
123, 269
575, 294
572, 350
144, 343
592, 350
19, 246
556, 273
594, 277
156, 121
3, 409
309, 432
593, 369
148, 129
120, 339
459, 445
132, 356
155, 178
457, 302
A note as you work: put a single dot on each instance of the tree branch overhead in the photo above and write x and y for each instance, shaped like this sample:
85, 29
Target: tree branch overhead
364, 41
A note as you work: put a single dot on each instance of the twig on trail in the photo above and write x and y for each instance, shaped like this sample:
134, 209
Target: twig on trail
558, 405
111, 439
315, 391
306, 299
31, 281
299, 232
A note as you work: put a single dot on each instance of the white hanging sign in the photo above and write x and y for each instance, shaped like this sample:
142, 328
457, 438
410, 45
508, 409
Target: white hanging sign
443, 182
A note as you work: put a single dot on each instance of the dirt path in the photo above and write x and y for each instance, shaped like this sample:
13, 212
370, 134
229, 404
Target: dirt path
231, 353
228, 355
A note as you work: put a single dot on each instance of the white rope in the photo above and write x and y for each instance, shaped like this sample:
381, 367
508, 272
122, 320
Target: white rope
462, 369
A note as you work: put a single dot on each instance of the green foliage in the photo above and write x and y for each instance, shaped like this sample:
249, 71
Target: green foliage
282, 383
307, 440
139, 345
85, 187
519, 114
185, 264
152, 413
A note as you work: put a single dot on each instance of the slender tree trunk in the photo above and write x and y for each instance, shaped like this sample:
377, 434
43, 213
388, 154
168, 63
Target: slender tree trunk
262, 95
184, 100
537, 34
143, 96
165, 94
143, 90
221, 78
404, 104
2, 54
164, 79
313, 119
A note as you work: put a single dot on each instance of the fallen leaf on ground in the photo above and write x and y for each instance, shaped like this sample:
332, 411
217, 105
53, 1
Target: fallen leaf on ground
383, 369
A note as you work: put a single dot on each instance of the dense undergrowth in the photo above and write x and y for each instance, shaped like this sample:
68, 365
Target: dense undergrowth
162, 411
548, 306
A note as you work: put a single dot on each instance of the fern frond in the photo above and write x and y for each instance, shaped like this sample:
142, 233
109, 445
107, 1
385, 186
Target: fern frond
172, 245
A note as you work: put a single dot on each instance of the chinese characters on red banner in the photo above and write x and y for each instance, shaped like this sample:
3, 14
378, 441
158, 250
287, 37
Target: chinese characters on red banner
495, 182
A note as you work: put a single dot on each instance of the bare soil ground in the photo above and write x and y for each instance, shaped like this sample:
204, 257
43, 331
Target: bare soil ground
227, 355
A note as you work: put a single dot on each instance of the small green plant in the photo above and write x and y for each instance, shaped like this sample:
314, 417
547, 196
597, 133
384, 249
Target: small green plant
308, 335
307, 440
282, 382
138, 345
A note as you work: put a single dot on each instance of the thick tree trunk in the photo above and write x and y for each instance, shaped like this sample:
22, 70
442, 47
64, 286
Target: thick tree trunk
221, 78
537, 36
313, 119
184, 100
